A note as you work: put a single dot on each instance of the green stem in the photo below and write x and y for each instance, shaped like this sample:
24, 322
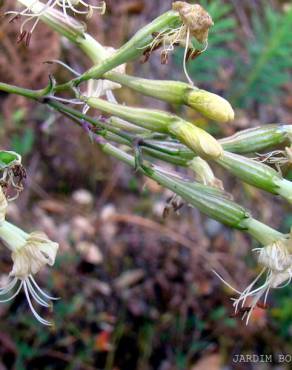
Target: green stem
169, 91
113, 134
208, 104
13, 237
154, 120
31, 94
261, 232
134, 47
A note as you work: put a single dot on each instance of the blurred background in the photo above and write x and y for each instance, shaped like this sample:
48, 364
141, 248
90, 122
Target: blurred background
137, 290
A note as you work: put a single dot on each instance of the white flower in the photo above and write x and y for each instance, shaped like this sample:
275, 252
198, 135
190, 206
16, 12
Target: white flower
35, 9
277, 256
37, 252
30, 253
276, 260
101, 87
89, 8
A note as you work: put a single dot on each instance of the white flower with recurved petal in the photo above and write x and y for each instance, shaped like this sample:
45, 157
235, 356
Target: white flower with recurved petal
276, 260
30, 253
35, 9
101, 87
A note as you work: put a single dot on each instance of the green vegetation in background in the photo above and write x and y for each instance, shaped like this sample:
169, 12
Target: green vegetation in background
269, 64
23, 143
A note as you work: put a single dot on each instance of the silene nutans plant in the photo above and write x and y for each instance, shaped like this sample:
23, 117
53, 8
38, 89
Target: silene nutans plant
145, 138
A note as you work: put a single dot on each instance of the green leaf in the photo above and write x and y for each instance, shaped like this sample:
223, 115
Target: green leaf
8, 159
24, 143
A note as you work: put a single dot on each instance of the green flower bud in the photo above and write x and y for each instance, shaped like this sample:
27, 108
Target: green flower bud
204, 173
256, 139
251, 171
256, 174
202, 143
210, 105
63, 24
9, 159
150, 119
209, 200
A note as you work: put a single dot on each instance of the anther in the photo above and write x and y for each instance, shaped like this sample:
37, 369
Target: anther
21, 37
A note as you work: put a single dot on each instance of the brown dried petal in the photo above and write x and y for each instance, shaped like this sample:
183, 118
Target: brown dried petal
195, 18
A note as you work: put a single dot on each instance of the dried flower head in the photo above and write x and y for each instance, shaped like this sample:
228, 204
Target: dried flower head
30, 253
12, 174
195, 23
195, 18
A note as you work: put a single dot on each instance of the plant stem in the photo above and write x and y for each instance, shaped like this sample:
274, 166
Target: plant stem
31, 94
190, 192
134, 47
261, 232
252, 172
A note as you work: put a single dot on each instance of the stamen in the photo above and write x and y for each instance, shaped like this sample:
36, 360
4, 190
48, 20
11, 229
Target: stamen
67, 101
41, 291
37, 298
73, 71
36, 315
14, 295
185, 58
51, 4
9, 287
225, 282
